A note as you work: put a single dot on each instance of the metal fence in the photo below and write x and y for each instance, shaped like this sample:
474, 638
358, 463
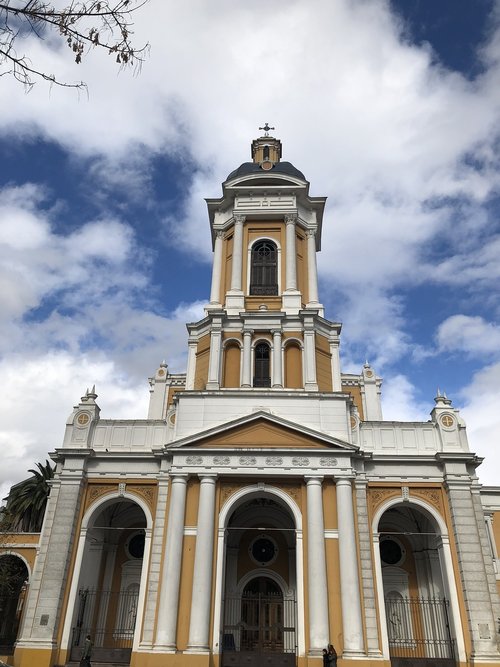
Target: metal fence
256, 625
419, 628
109, 618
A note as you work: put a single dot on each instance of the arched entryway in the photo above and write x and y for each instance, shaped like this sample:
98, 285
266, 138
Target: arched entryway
13, 586
421, 624
107, 595
259, 616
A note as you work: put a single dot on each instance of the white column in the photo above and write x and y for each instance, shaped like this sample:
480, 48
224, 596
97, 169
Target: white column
216, 270
310, 357
312, 270
236, 272
349, 577
213, 381
247, 358
291, 254
169, 595
202, 577
316, 568
191, 364
336, 376
277, 365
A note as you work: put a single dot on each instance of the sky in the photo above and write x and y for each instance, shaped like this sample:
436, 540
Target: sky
390, 108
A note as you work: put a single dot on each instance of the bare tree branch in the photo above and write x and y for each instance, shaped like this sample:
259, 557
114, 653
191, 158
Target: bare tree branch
104, 24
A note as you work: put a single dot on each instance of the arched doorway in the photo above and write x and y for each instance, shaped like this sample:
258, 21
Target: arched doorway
259, 604
108, 593
420, 629
13, 586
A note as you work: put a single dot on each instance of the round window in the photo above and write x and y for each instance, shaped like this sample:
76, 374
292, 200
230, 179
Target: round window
391, 551
135, 545
263, 550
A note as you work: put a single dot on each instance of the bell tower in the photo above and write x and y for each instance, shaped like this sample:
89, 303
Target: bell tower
264, 326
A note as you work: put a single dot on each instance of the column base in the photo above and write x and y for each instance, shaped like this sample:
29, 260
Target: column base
212, 385
292, 302
235, 302
353, 654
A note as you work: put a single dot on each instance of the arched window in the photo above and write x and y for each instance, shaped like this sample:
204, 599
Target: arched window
264, 272
262, 375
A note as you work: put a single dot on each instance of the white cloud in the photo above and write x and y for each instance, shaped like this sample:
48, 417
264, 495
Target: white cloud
470, 334
482, 398
41, 392
399, 402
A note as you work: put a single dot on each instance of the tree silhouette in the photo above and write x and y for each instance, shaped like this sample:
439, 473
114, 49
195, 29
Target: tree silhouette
104, 24
27, 500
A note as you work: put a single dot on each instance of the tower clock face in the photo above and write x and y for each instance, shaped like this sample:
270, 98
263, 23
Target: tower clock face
263, 550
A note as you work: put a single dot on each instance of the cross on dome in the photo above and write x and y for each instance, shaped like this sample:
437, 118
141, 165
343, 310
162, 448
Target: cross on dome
266, 129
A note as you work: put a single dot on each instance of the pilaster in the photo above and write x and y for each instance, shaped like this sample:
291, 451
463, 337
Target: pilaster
475, 566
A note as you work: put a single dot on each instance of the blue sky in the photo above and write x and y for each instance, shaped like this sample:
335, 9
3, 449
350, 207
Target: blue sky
390, 109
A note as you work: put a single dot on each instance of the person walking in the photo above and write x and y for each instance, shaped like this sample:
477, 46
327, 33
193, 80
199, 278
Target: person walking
87, 652
325, 657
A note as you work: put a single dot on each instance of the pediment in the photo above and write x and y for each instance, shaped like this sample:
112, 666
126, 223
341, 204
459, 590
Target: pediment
262, 430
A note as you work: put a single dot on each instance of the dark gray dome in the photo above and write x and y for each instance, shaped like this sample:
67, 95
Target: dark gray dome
248, 168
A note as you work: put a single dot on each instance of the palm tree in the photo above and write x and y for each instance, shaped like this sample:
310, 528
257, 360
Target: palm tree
27, 500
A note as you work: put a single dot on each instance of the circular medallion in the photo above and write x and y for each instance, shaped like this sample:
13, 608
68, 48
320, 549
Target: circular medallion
266, 165
369, 374
354, 422
263, 550
447, 421
83, 419
161, 372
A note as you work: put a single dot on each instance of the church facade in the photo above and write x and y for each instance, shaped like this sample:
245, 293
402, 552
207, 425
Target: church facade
264, 509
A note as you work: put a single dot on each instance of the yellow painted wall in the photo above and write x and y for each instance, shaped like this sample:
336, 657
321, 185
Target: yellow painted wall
171, 393
302, 285
355, 392
231, 369
202, 359
293, 366
323, 364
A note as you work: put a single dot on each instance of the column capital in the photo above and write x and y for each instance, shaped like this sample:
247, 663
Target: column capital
290, 218
314, 479
179, 478
219, 234
310, 233
248, 332
207, 477
343, 481
239, 219
276, 332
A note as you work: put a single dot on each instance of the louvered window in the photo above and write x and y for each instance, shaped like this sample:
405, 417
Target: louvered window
262, 376
264, 273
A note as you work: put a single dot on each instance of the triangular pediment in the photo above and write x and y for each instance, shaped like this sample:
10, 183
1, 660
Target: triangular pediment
262, 430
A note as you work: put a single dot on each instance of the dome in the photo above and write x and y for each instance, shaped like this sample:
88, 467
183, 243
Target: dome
250, 168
